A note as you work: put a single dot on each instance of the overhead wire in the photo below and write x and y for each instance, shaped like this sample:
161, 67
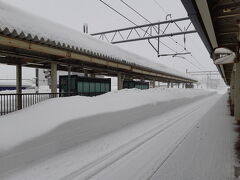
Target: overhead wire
148, 21
160, 6
133, 23
189, 61
118, 12
185, 49
195, 59
142, 28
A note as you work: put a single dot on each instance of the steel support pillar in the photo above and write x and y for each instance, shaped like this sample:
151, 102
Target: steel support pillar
53, 77
171, 84
168, 85
19, 86
178, 85
232, 84
37, 80
237, 92
120, 81
69, 79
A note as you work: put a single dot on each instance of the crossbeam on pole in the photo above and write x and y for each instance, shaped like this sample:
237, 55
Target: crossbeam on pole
150, 31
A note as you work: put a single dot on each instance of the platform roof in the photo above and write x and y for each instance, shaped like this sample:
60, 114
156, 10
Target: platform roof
19, 29
217, 22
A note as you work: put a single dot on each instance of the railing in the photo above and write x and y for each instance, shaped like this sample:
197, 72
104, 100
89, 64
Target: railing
13, 102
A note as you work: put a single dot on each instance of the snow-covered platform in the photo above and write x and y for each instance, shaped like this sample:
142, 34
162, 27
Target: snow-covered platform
155, 134
207, 152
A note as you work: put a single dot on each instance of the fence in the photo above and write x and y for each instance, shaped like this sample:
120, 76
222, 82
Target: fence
13, 102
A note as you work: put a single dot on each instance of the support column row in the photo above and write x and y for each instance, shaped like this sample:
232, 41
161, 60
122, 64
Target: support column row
120, 80
53, 77
237, 92
19, 86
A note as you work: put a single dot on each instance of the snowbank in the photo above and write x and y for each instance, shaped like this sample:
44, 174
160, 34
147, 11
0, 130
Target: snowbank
24, 125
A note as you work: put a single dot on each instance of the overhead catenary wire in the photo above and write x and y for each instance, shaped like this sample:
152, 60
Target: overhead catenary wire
133, 22
135, 11
142, 29
177, 43
158, 4
118, 12
189, 62
149, 21
195, 59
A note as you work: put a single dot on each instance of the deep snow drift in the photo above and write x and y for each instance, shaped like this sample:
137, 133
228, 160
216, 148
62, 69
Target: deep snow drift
24, 125
124, 134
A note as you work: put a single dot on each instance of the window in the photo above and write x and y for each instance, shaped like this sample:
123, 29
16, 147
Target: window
131, 85
72, 84
80, 87
86, 88
138, 86
103, 87
98, 88
92, 87
107, 87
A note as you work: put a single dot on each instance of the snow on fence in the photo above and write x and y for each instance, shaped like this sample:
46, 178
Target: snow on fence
9, 102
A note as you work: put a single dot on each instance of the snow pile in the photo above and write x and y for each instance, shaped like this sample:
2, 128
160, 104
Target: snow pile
24, 125
24, 25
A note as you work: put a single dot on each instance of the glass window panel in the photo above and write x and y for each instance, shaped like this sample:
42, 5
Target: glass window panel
107, 87
63, 85
102, 87
125, 85
80, 87
131, 85
98, 87
92, 87
86, 87
73, 88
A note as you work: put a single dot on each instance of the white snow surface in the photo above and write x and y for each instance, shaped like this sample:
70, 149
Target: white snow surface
24, 24
24, 125
208, 151
147, 148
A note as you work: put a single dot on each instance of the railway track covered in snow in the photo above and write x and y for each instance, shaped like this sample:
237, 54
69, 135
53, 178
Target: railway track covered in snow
170, 125
127, 144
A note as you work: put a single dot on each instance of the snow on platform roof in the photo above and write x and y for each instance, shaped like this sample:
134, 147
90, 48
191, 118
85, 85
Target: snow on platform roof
18, 23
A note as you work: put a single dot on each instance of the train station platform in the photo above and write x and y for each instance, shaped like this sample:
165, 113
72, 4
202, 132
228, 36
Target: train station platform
207, 152
177, 135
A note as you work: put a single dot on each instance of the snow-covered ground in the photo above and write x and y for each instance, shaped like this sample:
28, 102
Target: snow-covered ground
207, 152
128, 134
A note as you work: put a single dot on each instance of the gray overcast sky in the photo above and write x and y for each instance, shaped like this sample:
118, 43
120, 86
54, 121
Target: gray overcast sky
74, 13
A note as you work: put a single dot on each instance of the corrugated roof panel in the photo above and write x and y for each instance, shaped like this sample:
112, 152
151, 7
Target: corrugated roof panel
20, 24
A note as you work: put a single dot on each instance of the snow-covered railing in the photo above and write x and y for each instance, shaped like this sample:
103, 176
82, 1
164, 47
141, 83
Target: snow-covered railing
10, 102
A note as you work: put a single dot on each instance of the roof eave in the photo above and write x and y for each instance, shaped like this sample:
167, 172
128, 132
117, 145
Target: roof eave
199, 14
